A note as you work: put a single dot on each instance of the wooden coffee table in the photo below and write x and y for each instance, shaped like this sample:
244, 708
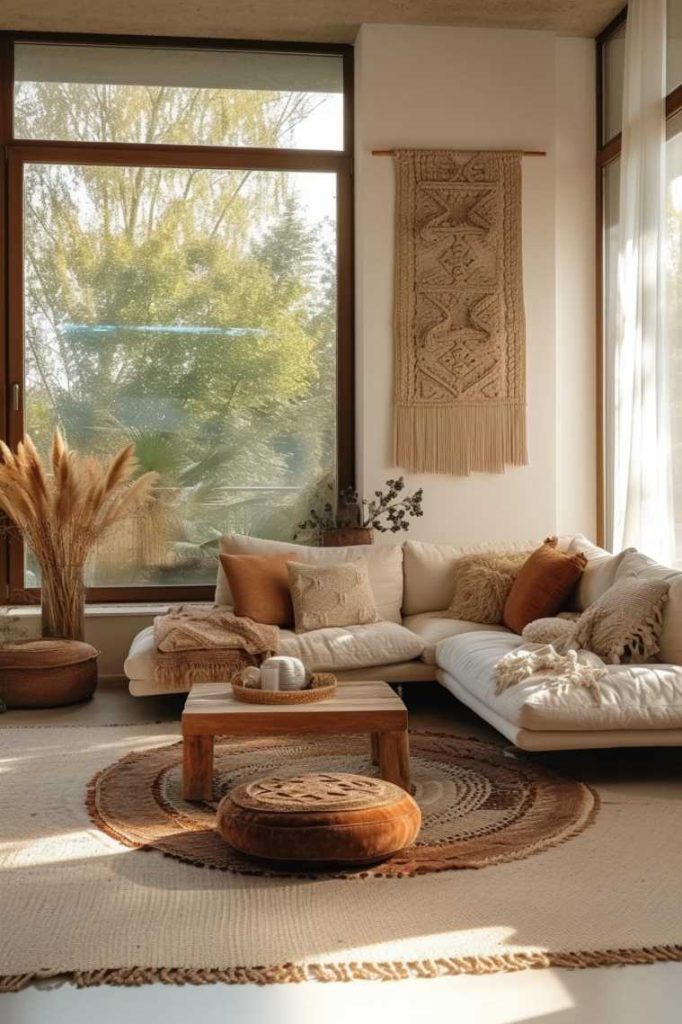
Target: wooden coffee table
370, 707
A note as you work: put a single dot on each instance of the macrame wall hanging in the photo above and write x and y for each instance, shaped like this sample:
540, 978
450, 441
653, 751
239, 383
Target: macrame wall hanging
460, 402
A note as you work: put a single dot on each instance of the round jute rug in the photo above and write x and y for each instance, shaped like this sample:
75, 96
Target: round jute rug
481, 803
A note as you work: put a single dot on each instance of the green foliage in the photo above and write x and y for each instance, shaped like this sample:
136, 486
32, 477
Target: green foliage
193, 310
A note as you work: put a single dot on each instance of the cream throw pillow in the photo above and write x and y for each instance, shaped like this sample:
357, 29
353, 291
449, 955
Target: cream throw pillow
482, 583
331, 595
625, 623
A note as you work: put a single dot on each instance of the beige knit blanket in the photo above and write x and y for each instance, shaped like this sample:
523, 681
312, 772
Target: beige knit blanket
207, 643
459, 320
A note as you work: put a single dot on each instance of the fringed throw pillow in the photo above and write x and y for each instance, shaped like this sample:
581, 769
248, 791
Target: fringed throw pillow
625, 623
482, 583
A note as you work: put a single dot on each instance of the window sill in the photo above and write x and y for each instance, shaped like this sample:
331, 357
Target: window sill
98, 611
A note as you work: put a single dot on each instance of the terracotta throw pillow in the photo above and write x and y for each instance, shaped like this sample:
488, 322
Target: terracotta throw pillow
260, 587
331, 595
542, 586
482, 583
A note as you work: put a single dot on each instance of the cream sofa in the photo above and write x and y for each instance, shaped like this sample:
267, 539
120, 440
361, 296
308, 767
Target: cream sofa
415, 641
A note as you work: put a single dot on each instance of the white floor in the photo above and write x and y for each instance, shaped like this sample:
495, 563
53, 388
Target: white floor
615, 995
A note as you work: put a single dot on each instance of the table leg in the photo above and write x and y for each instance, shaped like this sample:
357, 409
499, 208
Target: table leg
394, 758
197, 767
374, 738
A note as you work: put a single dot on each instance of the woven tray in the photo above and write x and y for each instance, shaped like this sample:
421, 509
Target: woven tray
322, 687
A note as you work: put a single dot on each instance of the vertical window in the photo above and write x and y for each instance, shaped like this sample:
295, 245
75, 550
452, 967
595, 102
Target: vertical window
609, 105
180, 231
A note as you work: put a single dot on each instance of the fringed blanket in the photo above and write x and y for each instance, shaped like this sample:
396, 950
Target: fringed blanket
580, 668
207, 643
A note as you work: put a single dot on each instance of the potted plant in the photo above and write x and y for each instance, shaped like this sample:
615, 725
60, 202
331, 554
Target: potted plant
62, 513
355, 519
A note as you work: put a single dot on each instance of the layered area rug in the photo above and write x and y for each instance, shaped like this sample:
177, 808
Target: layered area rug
108, 876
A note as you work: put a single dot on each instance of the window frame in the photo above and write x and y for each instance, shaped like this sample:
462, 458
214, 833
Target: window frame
607, 152
16, 152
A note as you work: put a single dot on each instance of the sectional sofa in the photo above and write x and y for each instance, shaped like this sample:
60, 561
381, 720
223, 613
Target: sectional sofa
415, 641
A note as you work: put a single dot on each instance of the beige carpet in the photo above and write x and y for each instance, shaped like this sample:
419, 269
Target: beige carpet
76, 899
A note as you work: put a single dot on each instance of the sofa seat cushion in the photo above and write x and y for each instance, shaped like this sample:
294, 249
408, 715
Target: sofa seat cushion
322, 650
432, 627
630, 696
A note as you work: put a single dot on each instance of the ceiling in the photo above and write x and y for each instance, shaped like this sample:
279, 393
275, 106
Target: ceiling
317, 20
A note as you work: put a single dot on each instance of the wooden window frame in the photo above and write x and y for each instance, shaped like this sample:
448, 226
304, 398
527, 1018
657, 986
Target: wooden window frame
15, 153
607, 152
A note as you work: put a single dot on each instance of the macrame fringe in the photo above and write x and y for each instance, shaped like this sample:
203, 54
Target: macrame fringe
393, 970
460, 439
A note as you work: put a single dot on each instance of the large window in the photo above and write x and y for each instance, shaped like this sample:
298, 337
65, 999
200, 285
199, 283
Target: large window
609, 106
179, 278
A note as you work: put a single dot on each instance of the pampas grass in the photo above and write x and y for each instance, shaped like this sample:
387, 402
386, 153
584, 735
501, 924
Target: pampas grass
64, 513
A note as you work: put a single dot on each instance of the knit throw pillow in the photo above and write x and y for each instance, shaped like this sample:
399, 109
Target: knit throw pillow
331, 595
482, 583
543, 585
625, 623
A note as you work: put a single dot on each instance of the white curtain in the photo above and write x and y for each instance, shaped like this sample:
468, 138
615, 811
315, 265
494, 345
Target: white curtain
639, 510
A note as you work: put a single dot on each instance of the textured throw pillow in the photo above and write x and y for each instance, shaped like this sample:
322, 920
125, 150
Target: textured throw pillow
557, 631
482, 583
260, 587
625, 623
331, 595
543, 585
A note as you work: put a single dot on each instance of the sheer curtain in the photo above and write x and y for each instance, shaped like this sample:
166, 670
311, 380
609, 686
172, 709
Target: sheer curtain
639, 508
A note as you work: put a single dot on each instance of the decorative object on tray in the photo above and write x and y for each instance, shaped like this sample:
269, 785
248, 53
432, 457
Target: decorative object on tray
47, 673
63, 514
321, 686
460, 400
355, 519
319, 819
291, 672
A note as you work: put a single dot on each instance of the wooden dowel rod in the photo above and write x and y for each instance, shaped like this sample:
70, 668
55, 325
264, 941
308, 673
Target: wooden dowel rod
526, 152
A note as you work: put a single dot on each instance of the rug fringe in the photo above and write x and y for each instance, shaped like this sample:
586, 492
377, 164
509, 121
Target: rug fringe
393, 970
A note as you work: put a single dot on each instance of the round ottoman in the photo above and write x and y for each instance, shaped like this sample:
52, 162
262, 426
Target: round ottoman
47, 673
319, 819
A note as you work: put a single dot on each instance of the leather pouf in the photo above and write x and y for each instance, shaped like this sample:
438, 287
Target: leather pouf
319, 819
47, 673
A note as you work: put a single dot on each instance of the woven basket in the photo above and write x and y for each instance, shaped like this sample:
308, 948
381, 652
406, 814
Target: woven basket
322, 687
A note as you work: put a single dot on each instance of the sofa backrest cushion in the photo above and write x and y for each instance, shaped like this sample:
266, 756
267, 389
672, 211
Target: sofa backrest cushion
429, 571
384, 566
599, 573
635, 563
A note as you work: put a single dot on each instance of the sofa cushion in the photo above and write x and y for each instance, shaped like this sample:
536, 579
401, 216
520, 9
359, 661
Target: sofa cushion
429, 570
260, 587
323, 650
384, 565
543, 585
630, 696
599, 573
432, 627
638, 564
331, 595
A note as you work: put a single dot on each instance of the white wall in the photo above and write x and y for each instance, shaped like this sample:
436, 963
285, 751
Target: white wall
487, 89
